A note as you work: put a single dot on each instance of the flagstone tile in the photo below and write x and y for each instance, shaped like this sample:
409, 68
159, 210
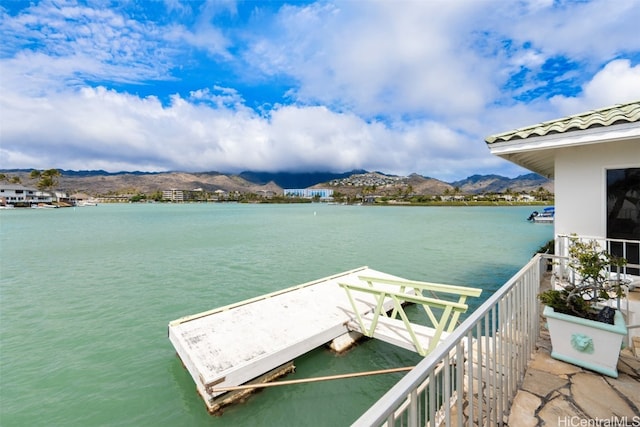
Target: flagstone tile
596, 398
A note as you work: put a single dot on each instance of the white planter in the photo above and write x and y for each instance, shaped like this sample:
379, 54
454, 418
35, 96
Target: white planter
586, 343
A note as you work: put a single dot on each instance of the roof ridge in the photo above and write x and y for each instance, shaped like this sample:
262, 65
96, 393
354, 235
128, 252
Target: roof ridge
607, 116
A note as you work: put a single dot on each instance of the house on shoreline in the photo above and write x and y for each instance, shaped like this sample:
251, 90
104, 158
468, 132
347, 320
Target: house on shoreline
17, 195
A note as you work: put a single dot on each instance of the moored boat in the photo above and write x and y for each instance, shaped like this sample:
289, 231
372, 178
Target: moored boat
44, 206
546, 216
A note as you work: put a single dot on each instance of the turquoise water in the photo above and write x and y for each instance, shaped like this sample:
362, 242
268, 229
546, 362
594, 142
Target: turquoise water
86, 295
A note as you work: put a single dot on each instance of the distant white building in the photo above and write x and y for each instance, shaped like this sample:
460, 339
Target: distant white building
173, 195
526, 198
309, 193
16, 194
58, 196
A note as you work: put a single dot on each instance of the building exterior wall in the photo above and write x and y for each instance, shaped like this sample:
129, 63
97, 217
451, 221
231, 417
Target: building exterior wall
17, 194
580, 184
323, 193
173, 195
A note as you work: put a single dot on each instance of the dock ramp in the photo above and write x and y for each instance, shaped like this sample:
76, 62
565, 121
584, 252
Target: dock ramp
395, 327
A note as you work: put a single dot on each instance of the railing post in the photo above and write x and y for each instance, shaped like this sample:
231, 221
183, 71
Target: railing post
413, 409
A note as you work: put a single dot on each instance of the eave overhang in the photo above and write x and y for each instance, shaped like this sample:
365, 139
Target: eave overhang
538, 153
534, 147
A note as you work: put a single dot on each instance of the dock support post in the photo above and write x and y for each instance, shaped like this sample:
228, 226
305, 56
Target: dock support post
216, 404
345, 342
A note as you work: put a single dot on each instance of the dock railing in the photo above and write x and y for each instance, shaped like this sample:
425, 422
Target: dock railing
471, 378
442, 314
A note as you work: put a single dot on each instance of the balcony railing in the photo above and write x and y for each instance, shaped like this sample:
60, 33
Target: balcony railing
472, 377
628, 249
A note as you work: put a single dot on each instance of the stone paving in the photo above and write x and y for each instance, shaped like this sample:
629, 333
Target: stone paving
555, 393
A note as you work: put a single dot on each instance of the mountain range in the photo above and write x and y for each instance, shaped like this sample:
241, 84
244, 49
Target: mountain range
100, 182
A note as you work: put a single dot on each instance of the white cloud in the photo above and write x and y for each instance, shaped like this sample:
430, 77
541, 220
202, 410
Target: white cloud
385, 57
205, 37
597, 29
67, 45
92, 128
219, 96
618, 82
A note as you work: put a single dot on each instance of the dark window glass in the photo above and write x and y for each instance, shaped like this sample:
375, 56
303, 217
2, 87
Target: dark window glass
623, 212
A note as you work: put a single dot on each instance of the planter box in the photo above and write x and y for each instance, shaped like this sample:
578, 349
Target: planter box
586, 343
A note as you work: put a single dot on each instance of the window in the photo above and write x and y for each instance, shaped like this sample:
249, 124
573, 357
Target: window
623, 203
623, 213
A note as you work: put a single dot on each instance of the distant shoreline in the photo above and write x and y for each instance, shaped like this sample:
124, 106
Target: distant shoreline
279, 202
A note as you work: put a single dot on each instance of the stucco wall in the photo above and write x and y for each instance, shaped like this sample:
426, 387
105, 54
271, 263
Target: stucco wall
580, 184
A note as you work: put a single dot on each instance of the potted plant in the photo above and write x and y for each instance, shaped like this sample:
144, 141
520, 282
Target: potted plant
583, 330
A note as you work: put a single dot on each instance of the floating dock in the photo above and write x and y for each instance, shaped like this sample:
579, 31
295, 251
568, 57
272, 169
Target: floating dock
256, 340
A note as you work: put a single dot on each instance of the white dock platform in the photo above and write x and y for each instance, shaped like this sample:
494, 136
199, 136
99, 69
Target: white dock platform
236, 344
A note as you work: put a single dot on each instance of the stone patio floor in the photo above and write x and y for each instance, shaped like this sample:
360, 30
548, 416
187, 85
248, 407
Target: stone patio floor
555, 393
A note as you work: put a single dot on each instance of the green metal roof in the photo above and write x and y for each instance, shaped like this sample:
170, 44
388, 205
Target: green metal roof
609, 116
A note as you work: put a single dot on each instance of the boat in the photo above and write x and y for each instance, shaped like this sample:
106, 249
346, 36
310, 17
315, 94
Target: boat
44, 206
546, 216
86, 203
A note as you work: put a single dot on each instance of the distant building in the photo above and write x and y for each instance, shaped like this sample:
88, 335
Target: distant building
16, 194
309, 193
267, 194
58, 196
175, 195
526, 198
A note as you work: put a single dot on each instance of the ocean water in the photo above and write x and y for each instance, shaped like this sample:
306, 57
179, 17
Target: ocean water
86, 295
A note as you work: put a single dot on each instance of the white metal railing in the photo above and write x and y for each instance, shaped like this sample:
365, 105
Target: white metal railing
628, 249
472, 377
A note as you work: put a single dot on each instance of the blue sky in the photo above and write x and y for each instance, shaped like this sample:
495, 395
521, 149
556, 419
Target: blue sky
405, 86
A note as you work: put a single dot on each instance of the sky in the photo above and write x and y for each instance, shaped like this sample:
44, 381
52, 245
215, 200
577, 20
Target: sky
400, 87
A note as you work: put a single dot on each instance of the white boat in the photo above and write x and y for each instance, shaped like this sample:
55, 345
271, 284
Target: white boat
44, 206
86, 203
546, 216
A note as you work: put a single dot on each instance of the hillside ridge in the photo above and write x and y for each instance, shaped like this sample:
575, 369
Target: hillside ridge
99, 182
